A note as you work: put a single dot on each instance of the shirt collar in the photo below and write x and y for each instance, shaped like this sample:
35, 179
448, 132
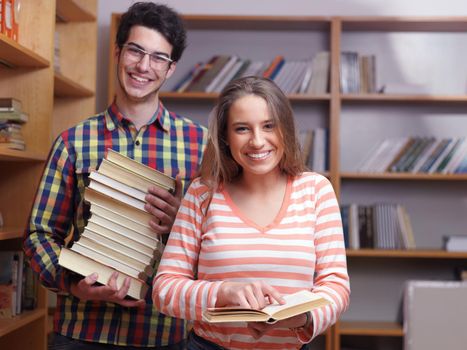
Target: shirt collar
114, 117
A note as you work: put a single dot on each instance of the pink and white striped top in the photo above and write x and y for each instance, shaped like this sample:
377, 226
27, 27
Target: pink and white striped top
303, 248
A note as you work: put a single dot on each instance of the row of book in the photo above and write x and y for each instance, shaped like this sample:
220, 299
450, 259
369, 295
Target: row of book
9, 10
357, 73
307, 76
314, 143
418, 155
18, 286
378, 226
11, 120
117, 236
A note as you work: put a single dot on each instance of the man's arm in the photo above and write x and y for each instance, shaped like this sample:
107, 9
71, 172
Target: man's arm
51, 219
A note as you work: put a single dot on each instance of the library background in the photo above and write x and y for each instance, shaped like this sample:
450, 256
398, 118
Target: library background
380, 96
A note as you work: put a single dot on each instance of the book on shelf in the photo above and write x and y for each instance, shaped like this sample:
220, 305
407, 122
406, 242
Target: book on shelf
227, 73
183, 83
378, 226
155, 176
11, 283
455, 243
14, 116
85, 266
206, 83
296, 303
9, 18
320, 72
10, 104
274, 67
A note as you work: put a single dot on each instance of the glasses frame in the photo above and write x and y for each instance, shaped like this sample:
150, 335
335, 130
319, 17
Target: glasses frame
154, 55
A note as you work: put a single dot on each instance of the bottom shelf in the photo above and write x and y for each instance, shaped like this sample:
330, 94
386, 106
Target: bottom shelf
370, 328
9, 325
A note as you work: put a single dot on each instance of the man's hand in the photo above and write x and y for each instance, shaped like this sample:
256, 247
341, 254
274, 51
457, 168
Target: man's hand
163, 206
86, 290
254, 295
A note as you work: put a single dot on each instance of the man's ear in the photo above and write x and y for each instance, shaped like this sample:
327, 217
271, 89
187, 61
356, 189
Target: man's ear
171, 70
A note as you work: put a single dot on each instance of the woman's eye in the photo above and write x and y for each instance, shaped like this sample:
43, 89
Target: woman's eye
241, 129
269, 126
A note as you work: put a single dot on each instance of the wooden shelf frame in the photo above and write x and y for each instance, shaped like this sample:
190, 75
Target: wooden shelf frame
15, 55
71, 11
402, 176
66, 87
7, 233
10, 325
411, 254
370, 328
11, 155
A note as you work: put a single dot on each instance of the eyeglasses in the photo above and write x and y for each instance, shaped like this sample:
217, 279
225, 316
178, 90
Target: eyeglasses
136, 54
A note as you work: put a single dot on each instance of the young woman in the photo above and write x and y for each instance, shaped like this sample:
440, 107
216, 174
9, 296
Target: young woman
254, 227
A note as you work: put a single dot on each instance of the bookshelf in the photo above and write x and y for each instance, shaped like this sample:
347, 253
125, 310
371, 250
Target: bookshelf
331, 33
26, 73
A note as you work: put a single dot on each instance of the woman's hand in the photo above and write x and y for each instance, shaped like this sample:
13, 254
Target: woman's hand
254, 295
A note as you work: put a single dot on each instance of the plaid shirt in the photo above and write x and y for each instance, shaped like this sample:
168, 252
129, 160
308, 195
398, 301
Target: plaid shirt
169, 143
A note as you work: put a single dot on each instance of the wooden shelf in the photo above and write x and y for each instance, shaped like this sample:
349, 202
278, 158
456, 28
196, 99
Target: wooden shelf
280, 23
405, 24
10, 233
404, 98
11, 324
403, 176
13, 54
21, 156
66, 87
415, 253
370, 328
205, 96
69, 11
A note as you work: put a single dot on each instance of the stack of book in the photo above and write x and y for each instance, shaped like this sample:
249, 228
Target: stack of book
11, 119
117, 236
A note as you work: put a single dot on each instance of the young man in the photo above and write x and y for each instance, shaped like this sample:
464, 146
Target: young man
150, 40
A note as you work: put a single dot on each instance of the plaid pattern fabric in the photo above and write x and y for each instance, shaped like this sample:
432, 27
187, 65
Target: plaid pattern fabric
170, 144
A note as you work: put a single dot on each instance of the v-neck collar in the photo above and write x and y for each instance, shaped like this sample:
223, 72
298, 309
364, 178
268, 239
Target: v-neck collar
280, 215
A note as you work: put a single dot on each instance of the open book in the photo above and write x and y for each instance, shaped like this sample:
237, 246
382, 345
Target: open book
296, 304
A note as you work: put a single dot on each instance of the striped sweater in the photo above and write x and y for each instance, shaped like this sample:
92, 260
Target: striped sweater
302, 248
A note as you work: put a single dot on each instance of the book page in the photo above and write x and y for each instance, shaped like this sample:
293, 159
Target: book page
292, 300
